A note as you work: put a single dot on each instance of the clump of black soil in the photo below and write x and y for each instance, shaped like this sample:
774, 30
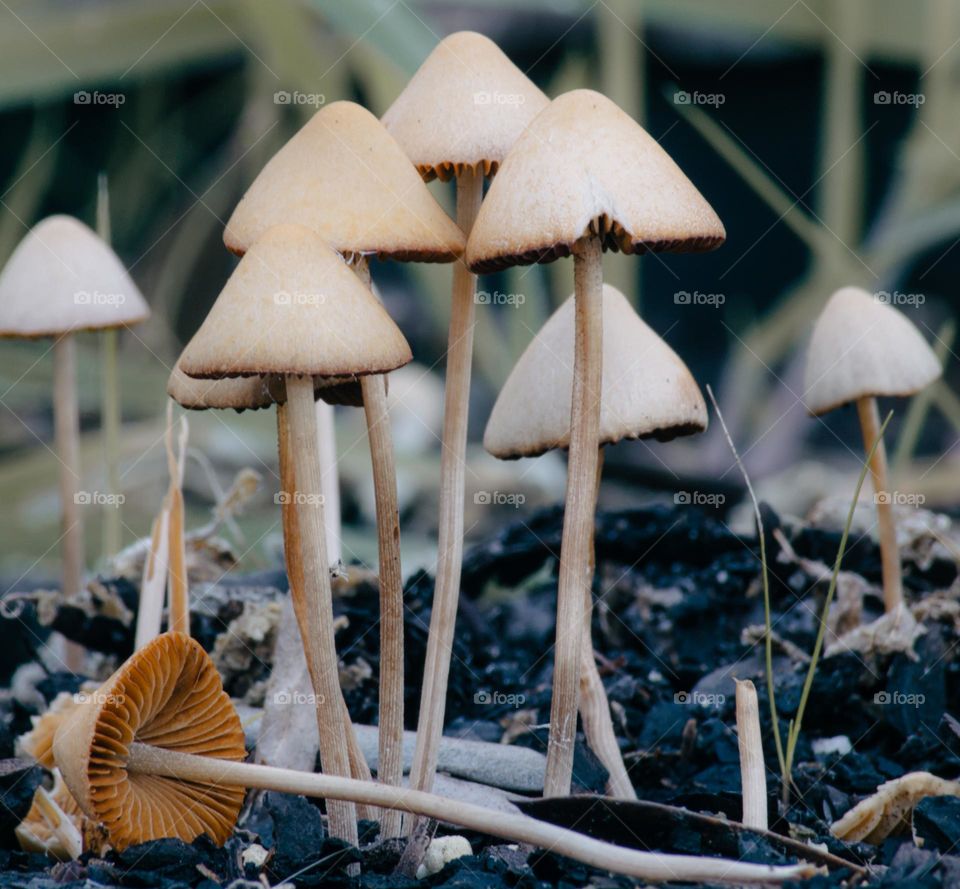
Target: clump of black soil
675, 590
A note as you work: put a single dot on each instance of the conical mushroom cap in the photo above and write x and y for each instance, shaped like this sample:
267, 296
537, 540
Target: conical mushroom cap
346, 178
63, 278
464, 108
293, 306
584, 166
647, 391
862, 347
167, 695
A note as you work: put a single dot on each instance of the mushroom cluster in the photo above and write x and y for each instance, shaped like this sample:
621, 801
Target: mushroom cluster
158, 750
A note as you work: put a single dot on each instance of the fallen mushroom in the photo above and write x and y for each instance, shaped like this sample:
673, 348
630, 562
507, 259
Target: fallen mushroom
346, 178
62, 279
157, 752
862, 349
646, 392
584, 177
889, 811
448, 130
312, 318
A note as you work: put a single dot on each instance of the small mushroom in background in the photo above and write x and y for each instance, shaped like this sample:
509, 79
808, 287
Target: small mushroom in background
457, 118
346, 178
157, 752
583, 178
862, 349
60, 280
293, 308
646, 392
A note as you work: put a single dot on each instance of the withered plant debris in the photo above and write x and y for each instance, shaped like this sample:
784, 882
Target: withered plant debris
673, 605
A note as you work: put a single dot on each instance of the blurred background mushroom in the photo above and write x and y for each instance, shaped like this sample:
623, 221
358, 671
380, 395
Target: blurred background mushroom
862, 349
63, 279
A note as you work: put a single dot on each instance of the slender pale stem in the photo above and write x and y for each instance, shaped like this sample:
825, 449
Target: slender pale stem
112, 541
293, 548
110, 403
178, 592
317, 610
594, 706
330, 479
578, 516
66, 427
889, 551
456, 402
651, 866
753, 774
390, 762
390, 749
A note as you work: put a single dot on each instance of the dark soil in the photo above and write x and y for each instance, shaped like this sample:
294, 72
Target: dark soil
675, 590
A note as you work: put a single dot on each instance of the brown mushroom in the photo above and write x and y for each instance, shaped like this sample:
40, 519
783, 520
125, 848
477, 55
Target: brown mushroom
156, 753
293, 308
457, 118
346, 178
584, 177
862, 349
646, 392
62, 279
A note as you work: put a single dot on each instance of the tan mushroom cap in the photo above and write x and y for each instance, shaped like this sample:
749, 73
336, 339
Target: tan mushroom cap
647, 391
253, 393
862, 347
346, 178
63, 278
584, 166
293, 306
237, 393
168, 695
464, 108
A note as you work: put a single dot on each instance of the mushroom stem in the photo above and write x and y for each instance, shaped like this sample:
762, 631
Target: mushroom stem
390, 761
752, 768
66, 427
456, 402
292, 548
653, 866
110, 399
111, 441
380, 437
179, 609
330, 479
594, 706
889, 551
578, 516
316, 613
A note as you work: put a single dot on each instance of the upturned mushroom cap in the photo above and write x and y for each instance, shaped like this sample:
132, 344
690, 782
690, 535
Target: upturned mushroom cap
63, 278
293, 306
167, 695
862, 347
346, 178
584, 166
464, 108
647, 391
